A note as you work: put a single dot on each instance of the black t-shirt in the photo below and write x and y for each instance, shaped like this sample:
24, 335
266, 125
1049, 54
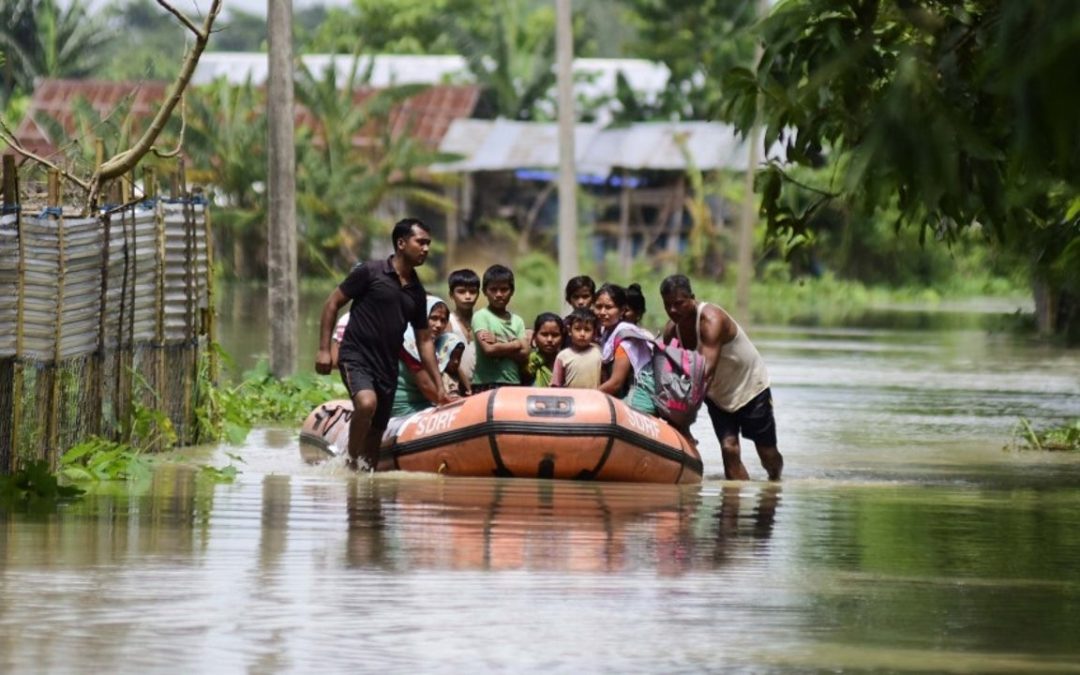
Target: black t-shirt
381, 308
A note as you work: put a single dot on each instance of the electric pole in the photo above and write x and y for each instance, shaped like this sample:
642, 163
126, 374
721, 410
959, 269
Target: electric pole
564, 55
283, 286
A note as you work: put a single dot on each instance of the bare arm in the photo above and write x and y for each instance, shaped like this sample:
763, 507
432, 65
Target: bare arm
557, 374
717, 329
669, 331
620, 371
426, 346
466, 384
323, 359
426, 385
485, 342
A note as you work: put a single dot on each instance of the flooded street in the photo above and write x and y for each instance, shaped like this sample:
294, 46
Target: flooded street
903, 537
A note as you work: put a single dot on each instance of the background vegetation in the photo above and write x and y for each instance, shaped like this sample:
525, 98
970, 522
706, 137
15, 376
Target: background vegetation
933, 143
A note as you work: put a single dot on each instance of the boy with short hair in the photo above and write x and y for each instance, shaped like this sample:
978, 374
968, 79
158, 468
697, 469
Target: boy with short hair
578, 366
464, 290
502, 343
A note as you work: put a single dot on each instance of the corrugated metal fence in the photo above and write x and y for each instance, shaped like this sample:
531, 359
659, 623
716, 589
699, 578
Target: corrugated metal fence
100, 317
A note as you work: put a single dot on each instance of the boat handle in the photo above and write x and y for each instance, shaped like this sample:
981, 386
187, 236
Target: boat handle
550, 406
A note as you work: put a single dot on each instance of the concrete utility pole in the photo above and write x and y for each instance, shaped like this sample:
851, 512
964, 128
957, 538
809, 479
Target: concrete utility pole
283, 283
564, 55
748, 218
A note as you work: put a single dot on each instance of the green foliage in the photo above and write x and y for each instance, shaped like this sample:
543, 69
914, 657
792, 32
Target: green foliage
510, 51
698, 42
508, 45
340, 185
152, 47
47, 38
1063, 437
951, 113
265, 398
97, 459
34, 486
393, 27
226, 141
229, 411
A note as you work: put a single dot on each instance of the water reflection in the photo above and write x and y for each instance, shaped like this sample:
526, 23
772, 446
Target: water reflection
551, 526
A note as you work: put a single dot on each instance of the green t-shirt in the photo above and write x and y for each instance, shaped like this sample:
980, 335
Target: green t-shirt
497, 370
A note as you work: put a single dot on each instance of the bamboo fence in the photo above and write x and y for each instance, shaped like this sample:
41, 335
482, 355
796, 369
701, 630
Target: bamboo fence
102, 317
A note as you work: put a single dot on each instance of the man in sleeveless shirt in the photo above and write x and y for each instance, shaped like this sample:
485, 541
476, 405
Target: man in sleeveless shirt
386, 296
738, 397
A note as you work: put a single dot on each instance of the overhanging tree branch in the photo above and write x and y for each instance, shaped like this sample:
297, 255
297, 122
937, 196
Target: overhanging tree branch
126, 160
8, 137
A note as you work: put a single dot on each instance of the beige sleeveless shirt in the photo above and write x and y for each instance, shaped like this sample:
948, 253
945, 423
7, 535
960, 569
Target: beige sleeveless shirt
740, 371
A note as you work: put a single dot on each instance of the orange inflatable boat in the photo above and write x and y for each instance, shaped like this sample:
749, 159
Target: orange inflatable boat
526, 432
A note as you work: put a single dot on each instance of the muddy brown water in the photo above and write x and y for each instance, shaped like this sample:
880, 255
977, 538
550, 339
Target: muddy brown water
903, 538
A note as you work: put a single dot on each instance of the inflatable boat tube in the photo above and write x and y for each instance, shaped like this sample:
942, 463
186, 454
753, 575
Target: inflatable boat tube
526, 432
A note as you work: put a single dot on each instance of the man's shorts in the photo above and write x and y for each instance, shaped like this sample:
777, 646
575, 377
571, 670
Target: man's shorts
754, 420
358, 377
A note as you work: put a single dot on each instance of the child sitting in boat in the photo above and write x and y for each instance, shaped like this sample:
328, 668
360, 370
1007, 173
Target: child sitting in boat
415, 389
502, 344
455, 382
578, 366
635, 304
464, 285
579, 293
547, 341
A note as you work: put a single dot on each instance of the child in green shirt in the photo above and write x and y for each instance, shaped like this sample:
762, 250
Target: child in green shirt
502, 343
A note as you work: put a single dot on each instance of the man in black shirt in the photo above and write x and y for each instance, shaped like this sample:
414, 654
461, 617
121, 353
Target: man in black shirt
386, 296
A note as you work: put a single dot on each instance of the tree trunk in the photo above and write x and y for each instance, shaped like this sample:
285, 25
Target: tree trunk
1045, 308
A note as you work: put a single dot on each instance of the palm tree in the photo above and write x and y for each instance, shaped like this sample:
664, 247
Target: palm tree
351, 163
226, 142
42, 39
514, 59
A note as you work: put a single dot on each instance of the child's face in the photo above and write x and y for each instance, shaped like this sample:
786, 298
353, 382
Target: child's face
582, 298
454, 362
465, 297
631, 316
549, 338
607, 312
581, 334
437, 320
498, 295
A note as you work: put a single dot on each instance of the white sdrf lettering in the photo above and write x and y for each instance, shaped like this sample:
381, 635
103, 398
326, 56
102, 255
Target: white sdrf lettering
643, 423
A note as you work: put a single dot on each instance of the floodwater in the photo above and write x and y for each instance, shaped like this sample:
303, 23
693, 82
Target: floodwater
903, 538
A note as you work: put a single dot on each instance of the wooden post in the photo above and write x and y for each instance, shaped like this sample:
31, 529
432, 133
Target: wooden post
189, 351
50, 384
158, 350
675, 224
209, 318
126, 327
564, 57
624, 225
96, 365
7, 364
283, 284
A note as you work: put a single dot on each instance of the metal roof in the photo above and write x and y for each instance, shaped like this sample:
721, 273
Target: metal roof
503, 145
54, 98
425, 116
594, 79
